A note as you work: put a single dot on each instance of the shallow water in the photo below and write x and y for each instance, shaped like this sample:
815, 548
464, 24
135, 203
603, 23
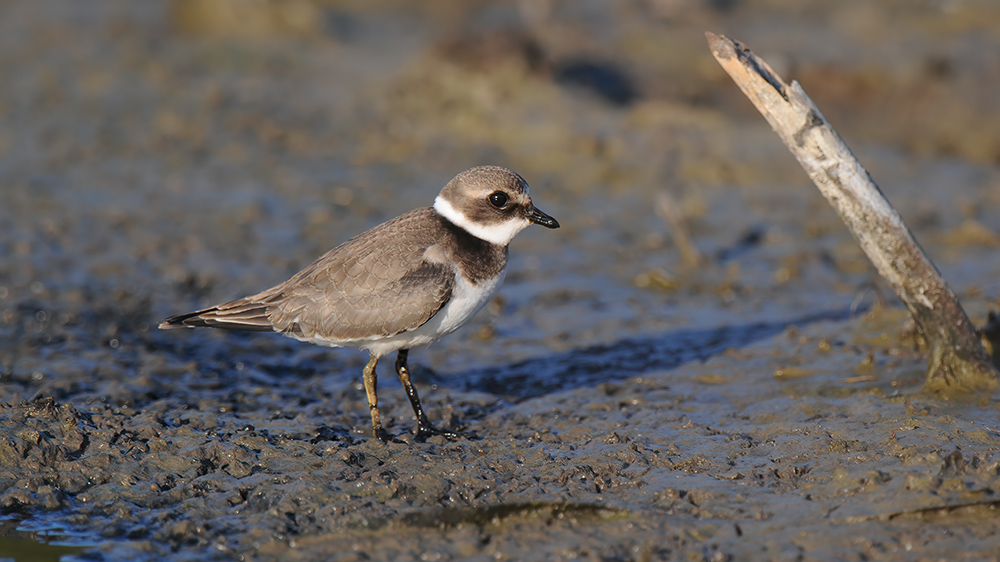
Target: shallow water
621, 403
31, 539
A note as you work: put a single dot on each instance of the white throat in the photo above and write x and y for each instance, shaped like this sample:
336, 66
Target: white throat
500, 233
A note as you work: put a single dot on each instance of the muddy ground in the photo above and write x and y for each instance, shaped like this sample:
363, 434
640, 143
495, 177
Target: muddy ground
623, 400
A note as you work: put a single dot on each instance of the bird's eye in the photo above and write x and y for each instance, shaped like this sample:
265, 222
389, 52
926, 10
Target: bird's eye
498, 199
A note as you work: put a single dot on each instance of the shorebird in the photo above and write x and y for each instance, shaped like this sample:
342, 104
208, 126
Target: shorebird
399, 285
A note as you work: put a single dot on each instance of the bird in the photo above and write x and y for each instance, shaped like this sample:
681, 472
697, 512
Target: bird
399, 285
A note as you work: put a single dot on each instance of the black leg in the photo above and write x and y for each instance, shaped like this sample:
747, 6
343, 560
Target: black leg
424, 426
371, 380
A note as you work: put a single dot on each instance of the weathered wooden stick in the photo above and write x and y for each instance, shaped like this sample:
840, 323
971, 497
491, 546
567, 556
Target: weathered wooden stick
957, 359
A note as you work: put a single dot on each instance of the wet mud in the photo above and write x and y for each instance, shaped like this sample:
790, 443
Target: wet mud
754, 396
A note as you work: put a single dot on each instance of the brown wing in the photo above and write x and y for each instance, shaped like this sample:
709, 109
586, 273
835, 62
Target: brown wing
377, 284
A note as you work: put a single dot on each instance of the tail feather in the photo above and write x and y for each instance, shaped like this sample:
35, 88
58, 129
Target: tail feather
236, 315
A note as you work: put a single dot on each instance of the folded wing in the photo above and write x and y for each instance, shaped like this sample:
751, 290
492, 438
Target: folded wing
378, 284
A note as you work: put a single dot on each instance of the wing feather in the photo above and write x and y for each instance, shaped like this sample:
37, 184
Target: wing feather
380, 283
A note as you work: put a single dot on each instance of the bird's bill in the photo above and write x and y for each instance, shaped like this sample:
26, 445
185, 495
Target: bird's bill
538, 217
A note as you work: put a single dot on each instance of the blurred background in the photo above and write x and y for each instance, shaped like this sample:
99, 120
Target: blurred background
162, 155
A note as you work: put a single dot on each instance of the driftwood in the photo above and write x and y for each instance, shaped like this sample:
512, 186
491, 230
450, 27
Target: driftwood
957, 359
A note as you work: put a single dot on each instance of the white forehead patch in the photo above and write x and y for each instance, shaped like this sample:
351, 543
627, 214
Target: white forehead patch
500, 233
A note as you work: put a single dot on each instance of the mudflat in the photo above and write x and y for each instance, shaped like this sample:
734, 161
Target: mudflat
623, 400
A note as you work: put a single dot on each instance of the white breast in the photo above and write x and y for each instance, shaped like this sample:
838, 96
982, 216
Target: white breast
466, 300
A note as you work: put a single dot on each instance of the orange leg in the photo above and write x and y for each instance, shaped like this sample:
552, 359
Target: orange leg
371, 380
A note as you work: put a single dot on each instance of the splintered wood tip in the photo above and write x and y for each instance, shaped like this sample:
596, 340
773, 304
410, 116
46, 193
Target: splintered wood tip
721, 46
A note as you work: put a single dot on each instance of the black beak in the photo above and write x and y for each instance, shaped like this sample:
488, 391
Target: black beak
541, 218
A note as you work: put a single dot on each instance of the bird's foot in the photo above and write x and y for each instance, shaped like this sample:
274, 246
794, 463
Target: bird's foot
382, 435
426, 430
